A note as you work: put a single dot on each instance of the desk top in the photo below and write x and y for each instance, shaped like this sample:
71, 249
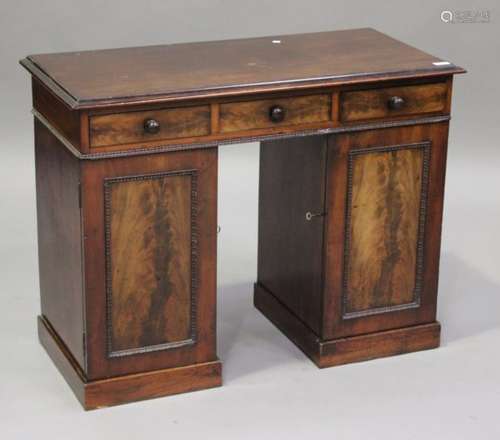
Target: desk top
101, 78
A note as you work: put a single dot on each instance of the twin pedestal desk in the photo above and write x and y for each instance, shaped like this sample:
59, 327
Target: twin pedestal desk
353, 128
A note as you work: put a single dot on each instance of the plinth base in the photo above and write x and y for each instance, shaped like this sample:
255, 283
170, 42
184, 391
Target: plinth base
123, 389
327, 353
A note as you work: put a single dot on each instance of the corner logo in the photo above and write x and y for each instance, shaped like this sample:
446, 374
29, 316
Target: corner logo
447, 16
462, 17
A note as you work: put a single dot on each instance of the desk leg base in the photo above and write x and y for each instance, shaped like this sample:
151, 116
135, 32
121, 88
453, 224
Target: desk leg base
328, 353
123, 389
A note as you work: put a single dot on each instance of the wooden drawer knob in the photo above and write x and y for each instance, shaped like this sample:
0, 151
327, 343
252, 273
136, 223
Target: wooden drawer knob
151, 126
276, 113
396, 103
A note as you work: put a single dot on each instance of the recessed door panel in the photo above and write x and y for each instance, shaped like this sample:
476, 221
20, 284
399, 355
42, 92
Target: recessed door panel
149, 256
387, 189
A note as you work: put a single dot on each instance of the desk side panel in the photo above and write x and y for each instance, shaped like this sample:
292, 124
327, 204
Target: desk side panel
59, 239
290, 256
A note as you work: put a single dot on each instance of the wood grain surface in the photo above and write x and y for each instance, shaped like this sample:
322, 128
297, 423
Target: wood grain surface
384, 214
193, 124
371, 104
152, 384
290, 252
145, 257
378, 345
60, 240
64, 119
128, 127
328, 353
150, 258
248, 115
94, 394
221, 68
383, 237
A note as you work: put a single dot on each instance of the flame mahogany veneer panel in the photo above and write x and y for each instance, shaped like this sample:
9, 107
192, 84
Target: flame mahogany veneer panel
385, 221
149, 234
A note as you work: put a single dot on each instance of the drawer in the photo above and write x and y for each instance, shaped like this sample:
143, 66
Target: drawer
269, 113
152, 125
393, 101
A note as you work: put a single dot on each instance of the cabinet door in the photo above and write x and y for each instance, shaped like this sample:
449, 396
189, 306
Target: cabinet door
150, 261
384, 198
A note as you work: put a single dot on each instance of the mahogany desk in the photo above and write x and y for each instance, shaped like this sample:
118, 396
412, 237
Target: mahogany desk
353, 128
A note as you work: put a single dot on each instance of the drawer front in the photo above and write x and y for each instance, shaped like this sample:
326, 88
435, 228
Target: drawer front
249, 115
393, 101
126, 128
